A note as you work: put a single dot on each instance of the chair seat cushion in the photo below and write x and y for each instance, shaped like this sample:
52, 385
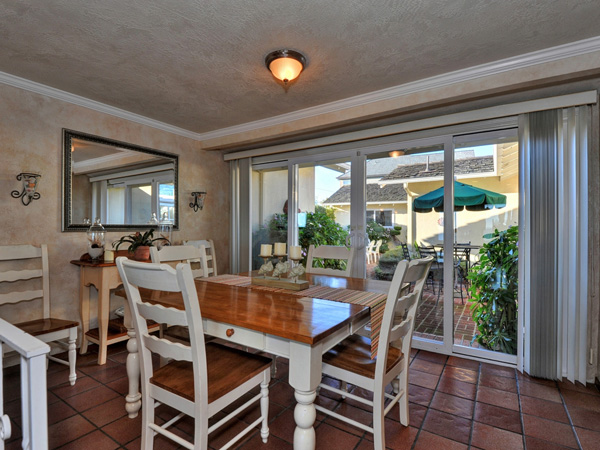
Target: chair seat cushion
354, 355
44, 326
227, 369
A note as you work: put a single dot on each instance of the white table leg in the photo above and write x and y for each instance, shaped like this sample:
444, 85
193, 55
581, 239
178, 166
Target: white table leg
305, 375
134, 397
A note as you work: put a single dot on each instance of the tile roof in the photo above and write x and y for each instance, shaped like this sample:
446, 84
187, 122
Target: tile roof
375, 194
482, 164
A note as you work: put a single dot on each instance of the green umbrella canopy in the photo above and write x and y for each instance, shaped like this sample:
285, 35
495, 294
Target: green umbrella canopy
465, 195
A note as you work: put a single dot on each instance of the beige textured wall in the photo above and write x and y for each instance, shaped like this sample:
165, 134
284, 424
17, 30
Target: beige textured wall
31, 131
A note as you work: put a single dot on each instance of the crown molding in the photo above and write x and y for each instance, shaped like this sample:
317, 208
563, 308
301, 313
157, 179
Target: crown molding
518, 62
38, 88
505, 65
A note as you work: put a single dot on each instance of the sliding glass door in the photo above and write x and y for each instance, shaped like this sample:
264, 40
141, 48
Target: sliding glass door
404, 200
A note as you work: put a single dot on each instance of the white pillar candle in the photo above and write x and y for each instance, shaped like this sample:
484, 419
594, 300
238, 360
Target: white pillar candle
295, 252
279, 248
109, 256
265, 250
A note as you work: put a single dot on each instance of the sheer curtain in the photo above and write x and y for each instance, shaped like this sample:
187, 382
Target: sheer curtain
554, 241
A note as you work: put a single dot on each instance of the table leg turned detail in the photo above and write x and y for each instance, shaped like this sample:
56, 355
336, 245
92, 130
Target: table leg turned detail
305, 415
134, 397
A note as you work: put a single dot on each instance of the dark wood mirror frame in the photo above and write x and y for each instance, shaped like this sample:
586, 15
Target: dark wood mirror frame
68, 223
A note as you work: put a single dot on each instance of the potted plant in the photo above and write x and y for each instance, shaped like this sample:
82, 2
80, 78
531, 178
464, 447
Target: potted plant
139, 244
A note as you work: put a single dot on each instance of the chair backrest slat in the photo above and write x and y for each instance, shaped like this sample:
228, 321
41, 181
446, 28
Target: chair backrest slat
13, 252
330, 252
175, 350
20, 275
17, 278
20, 296
160, 314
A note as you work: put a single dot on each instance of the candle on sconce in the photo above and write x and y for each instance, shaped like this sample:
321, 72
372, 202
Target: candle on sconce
279, 248
295, 252
265, 250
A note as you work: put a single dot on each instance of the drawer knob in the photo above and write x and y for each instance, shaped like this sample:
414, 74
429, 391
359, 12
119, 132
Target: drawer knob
230, 332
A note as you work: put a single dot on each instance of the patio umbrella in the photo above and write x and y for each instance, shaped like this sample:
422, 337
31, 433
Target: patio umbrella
465, 195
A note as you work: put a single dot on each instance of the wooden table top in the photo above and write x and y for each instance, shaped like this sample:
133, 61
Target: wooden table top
301, 319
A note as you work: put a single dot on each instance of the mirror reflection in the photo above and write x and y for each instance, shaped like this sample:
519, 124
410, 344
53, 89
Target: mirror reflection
124, 185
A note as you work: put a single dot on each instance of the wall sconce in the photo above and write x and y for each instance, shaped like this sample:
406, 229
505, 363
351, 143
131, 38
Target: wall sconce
30, 181
285, 65
198, 202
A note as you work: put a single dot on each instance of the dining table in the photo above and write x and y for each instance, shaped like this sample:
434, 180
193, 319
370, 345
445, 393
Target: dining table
281, 322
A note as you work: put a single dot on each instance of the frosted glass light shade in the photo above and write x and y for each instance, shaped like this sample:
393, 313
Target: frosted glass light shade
285, 65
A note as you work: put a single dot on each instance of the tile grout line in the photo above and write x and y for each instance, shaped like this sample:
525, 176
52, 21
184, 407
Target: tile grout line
474, 406
564, 403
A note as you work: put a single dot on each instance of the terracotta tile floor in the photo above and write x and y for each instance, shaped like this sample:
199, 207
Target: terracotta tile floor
454, 404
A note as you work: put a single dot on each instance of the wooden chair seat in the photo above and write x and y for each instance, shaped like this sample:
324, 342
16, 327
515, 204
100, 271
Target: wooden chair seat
354, 354
44, 326
227, 369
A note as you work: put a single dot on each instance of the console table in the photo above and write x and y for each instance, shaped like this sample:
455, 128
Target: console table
104, 277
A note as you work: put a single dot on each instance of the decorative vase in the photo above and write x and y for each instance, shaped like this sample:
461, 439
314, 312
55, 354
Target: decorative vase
142, 253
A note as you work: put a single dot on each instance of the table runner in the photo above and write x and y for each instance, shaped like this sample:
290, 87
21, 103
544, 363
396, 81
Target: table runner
375, 301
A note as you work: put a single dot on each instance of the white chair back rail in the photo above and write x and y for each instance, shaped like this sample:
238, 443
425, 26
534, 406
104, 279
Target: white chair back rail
181, 253
330, 252
209, 261
162, 277
21, 283
34, 409
391, 365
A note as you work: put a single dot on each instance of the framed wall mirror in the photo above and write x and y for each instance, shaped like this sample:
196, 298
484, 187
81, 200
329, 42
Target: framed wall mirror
124, 185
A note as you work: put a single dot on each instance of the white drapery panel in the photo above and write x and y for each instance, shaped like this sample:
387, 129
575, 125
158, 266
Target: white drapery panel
554, 241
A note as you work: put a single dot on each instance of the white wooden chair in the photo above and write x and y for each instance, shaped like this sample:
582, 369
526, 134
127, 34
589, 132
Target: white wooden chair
23, 282
207, 249
181, 253
330, 252
202, 379
350, 361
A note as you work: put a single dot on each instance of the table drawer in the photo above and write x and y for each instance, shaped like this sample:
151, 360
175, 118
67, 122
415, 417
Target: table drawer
238, 335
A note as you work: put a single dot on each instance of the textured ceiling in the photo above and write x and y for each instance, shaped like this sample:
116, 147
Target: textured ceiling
199, 65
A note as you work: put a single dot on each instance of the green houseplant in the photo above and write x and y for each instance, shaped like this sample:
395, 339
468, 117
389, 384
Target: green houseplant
139, 244
494, 284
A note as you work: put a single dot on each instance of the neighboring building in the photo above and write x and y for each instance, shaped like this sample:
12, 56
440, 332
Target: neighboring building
393, 183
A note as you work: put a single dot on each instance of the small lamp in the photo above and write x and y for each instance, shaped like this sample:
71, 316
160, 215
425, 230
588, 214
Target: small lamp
198, 202
285, 65
30, 181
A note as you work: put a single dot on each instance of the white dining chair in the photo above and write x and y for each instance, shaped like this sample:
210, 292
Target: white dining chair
25, 277
350, 361
340, 253
181, 253
207, 249
201, 379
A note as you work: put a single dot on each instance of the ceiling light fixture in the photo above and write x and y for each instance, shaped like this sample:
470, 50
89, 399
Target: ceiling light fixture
285, 65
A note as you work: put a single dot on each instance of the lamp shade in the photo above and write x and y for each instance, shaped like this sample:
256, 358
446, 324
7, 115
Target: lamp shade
285, 65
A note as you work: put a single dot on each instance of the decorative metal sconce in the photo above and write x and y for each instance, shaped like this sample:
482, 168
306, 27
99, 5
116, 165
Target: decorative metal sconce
30, 181
198, 202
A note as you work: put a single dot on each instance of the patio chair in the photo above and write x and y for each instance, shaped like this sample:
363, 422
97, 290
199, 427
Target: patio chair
369, 251
202, 379
350, 361
405, 251
436, 272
